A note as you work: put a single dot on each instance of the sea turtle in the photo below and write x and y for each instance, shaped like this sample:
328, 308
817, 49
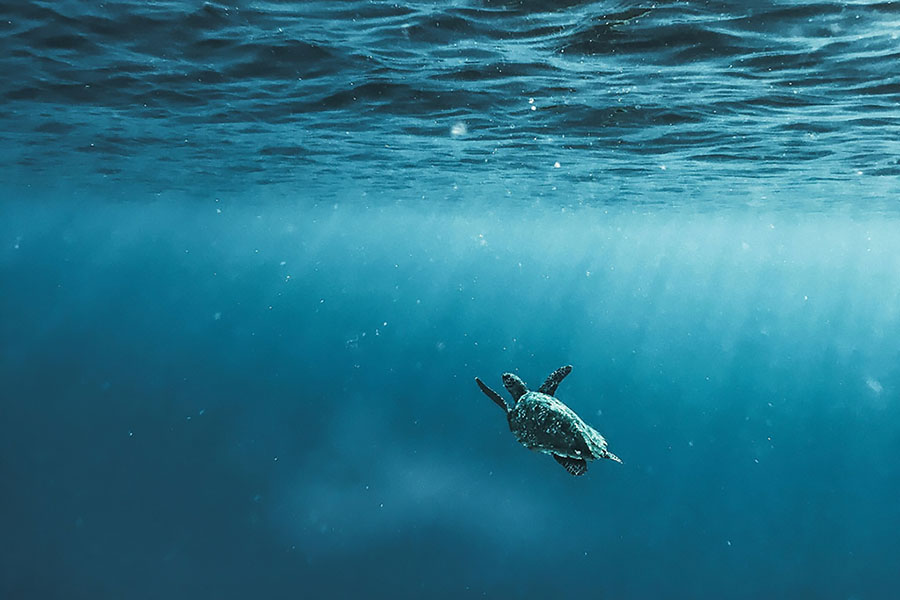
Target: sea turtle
541, 422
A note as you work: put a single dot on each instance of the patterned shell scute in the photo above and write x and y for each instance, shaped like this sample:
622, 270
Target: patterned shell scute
543, 423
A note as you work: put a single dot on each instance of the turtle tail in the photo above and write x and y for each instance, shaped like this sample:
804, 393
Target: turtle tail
612, 456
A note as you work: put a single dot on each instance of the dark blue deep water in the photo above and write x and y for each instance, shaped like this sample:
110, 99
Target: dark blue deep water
253, 255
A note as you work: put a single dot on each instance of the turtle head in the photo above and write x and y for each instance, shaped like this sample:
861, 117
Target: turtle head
514, 385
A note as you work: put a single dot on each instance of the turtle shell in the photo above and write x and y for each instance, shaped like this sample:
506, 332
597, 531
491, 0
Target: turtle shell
543, 423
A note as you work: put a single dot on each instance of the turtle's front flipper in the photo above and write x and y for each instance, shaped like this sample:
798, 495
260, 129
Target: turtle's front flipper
554, 380
492, 395
575, 466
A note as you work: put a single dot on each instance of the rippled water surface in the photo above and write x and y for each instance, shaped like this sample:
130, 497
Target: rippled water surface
631, 99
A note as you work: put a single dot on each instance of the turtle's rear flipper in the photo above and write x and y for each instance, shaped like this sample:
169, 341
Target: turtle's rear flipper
575, 466
492, 395
554, 380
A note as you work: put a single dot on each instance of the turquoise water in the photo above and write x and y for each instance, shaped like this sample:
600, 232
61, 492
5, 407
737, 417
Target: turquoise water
252, 258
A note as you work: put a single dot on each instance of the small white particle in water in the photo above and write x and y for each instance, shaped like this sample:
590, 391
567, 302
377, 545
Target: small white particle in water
531, 101
691, 443
218, 211
533, 107
275, 459
859, 172
662, 167
728, 542
459, 128
130, 433
556, 165
805, 298
874, 385
217, 316
282, 263
381, 505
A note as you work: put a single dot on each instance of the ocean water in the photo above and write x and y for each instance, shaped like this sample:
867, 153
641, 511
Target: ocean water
252, 257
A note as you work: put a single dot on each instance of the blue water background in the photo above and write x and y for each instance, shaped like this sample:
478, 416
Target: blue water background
252, 257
